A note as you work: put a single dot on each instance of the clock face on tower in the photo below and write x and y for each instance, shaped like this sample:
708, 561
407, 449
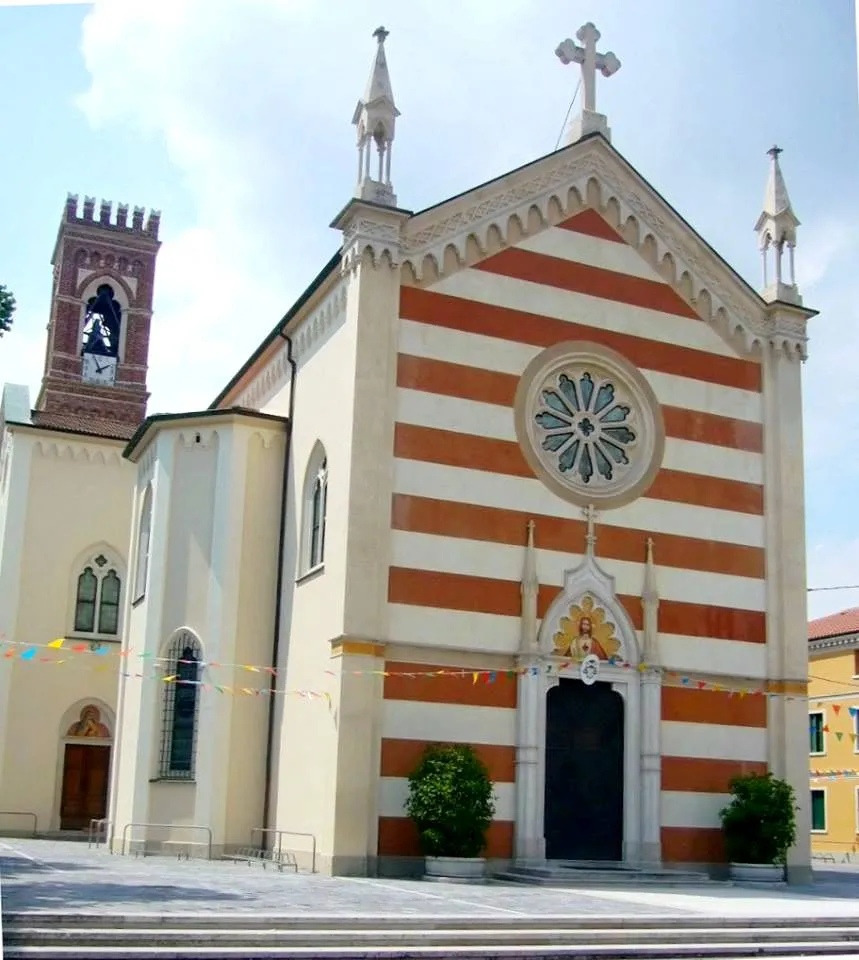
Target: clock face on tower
99, 370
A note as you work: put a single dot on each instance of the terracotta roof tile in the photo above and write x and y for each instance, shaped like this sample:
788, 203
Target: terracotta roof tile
834, 625
111, 429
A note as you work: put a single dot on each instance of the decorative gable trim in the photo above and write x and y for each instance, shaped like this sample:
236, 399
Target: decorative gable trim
590, 175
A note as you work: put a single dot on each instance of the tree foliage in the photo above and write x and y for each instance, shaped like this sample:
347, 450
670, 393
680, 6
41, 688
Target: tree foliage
7, 310
451, 801
759, 824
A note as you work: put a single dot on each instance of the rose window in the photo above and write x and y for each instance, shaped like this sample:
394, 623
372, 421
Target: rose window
589, 424
582, 423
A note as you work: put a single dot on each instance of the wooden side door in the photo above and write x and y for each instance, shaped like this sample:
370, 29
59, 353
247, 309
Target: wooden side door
85, 783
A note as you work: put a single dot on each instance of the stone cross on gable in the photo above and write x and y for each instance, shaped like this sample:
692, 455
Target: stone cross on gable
590, 60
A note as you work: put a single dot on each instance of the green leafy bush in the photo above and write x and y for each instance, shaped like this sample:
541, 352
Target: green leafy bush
759, 824
450, 801
7, 310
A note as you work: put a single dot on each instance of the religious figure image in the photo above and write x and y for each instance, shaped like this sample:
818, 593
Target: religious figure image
585, 631
89, 724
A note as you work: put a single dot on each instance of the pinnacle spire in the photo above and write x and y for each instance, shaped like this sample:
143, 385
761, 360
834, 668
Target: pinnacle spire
375, 118
776, 229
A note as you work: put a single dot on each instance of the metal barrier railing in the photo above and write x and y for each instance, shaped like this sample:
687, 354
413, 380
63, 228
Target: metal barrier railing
97, 832
23, 813
280, 834
168, 826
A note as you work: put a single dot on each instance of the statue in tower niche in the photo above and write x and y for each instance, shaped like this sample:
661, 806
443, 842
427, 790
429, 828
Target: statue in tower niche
102, 324
585, 631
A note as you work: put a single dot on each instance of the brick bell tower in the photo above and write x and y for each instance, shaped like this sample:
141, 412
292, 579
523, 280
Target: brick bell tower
101, 313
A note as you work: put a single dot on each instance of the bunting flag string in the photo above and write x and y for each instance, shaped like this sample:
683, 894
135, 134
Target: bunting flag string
56, 651
835, 774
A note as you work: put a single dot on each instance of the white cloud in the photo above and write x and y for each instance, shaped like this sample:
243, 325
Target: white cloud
252, 101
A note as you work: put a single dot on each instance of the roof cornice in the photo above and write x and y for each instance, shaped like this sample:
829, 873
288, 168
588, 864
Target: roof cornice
844, 641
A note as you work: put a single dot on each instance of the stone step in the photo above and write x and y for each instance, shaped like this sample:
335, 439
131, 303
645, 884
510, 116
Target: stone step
629, 925
740, 950
477, 934
281, 938
146, 921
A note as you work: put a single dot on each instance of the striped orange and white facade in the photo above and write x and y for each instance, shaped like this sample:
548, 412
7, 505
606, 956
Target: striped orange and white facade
424, 333
463, 495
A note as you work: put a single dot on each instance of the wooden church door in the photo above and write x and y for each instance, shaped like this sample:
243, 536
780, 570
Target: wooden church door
584, 772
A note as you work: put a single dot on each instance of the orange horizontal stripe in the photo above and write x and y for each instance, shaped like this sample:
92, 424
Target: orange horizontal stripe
692, 705
400, 757
453, 591
693, 845
699, 775
448, 687
398, 837
713, 429
583, 278
592, 224
488, 386
472, 316
469, 521
431, 445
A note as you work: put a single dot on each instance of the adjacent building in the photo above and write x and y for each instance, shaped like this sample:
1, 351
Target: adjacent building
833, 709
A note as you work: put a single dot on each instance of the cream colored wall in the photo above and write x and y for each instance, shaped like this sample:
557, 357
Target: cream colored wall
257, 575
212, 563
78, 501
312, 615
136, 751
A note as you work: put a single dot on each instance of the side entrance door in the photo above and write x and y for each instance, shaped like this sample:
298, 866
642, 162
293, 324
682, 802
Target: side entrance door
85, 782
584, 772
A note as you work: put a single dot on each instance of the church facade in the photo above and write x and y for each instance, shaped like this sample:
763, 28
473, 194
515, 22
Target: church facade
522, 470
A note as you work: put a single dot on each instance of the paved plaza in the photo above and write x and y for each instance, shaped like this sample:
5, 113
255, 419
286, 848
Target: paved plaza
42, 875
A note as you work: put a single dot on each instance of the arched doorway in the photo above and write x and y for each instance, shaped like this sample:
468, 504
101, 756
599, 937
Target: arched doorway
584, 790
85, 769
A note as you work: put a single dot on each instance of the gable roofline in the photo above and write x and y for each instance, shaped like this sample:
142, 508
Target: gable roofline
596, 137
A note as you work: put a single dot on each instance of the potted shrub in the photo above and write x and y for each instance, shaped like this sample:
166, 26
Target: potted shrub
451, 803
759, 826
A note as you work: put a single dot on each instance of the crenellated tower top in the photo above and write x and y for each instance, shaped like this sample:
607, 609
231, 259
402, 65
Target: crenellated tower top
140, 223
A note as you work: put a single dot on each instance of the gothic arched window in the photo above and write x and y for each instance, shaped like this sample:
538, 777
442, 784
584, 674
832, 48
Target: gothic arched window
181, 708
97, 598
315, 510
144, 533
102, 323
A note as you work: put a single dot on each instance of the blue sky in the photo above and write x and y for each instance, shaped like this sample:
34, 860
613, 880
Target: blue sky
233, 118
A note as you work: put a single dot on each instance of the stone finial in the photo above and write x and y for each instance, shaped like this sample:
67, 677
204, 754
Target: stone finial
588, 121
530, 589
375, 119
590, 516
776, 230
650, 592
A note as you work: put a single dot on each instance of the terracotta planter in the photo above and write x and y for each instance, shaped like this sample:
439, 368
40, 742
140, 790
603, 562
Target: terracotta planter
757, 872
455, 868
